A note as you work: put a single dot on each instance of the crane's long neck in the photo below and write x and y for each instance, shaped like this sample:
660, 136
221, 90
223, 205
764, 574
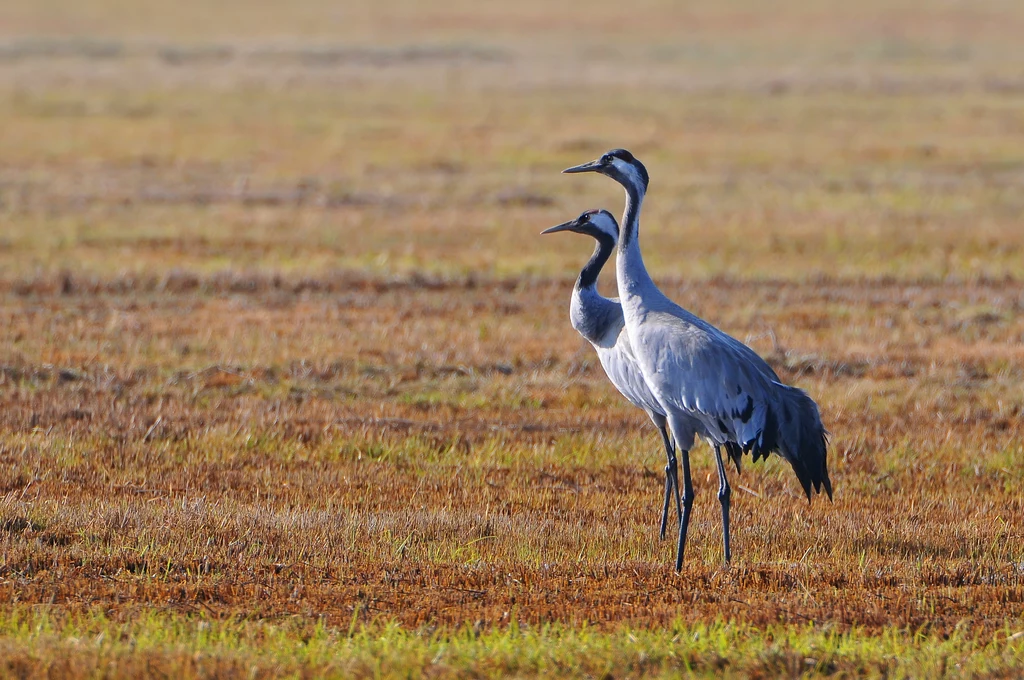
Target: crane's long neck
593, 315
632, 274
592, 269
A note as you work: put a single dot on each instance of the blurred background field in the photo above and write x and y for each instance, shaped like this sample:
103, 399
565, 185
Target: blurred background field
284, 358
785, 140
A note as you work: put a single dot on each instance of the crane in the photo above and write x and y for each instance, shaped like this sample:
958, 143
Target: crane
697, 372
599, 320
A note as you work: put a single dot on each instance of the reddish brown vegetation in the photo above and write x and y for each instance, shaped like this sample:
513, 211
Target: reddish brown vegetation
450, 475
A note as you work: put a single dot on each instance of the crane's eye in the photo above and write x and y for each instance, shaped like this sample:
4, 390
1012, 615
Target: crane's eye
606, 159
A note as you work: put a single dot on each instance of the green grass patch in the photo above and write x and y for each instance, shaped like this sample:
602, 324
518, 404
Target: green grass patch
43, 640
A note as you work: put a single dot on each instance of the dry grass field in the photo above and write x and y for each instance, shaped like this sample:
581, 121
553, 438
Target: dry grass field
287, 381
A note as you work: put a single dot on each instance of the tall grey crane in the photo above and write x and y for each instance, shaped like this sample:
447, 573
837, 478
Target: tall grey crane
599, 320
697, 372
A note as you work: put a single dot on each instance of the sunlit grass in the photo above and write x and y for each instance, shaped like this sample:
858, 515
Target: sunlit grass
40, 641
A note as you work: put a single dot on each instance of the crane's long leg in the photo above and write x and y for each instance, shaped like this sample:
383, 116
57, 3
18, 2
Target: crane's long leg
724, 492
671, 480
684, 521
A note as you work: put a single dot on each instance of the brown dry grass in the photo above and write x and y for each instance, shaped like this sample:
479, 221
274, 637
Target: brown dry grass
279, 339
449, 453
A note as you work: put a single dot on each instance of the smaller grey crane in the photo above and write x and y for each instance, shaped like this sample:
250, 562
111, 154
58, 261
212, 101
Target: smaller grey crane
599, 320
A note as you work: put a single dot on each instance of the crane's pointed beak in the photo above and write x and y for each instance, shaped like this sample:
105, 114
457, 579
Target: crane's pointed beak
564, 226
592, 166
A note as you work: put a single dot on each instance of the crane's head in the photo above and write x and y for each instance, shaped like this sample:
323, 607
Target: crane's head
596, 223
621, 166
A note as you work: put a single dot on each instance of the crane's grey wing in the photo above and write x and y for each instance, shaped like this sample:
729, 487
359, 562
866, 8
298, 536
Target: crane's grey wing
721, 337
692, 368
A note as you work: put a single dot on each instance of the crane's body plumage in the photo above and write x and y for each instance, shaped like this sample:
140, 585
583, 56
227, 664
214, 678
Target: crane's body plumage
706, 382
599, 320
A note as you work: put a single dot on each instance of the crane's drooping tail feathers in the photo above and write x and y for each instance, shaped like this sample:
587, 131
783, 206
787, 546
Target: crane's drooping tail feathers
793, 428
